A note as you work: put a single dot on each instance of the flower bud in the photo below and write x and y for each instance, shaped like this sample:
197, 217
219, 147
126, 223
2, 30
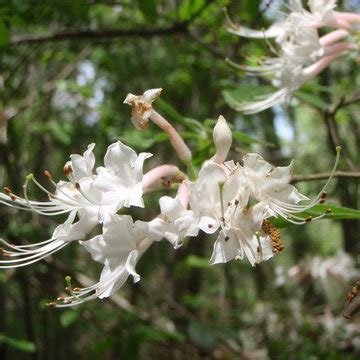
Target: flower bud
222, 139
141, 107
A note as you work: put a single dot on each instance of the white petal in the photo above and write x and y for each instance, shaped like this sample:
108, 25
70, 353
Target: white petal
224, 250
171, 207
131, 262
83, 165
63, 231
154, 229
120, 158
256, 164
150, 95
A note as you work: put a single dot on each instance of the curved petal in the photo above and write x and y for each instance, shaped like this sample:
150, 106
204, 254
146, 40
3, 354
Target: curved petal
131, 262
82, 166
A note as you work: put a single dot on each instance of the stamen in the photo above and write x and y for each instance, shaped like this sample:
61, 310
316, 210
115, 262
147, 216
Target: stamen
67, 169
7, 190
48, 174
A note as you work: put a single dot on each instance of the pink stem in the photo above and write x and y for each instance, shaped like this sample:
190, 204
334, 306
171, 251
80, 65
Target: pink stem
337, 48
176, 141
154, 179
333, 36
183, 194
350, 18
315, 69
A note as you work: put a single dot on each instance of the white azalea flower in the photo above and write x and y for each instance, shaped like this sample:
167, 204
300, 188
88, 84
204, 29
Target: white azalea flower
241, 237
302, 54
289, 78
120, 181
118, 248
90, 196
270, 186
219, 199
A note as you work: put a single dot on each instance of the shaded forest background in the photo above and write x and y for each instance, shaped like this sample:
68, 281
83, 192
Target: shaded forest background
65, 69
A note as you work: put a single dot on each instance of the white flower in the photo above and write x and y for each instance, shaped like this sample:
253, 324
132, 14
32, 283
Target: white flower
289, 78
142, 107
219, 200
302, 54
270, 186
206, 196
241, 237
92, 197
120, 181
118, 248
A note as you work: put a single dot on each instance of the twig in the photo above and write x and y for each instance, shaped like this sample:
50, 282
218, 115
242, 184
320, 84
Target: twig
343, 102
329, 117
98, 34
320, 176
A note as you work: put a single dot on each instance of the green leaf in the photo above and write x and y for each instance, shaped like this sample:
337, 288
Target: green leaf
337, 213
252, 8
196, 262
173, 115
68, 317
244, 93
148, 9
19, 344
141, 140
189, 7
311, 99
4, 34
247, 139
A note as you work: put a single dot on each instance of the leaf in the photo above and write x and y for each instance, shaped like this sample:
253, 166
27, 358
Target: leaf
68, 317
252, 8
188, 8
173, 115
148, 9
244, 93
196, 262
311, 99
19, 344
141, 140
4, 34
247, 139
337, 213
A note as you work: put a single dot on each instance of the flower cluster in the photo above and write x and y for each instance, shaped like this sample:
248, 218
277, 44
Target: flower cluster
235, 200
302, 53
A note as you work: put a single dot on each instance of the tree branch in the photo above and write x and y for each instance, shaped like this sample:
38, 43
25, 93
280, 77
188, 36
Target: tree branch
337, 174
329, 117
177, 28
